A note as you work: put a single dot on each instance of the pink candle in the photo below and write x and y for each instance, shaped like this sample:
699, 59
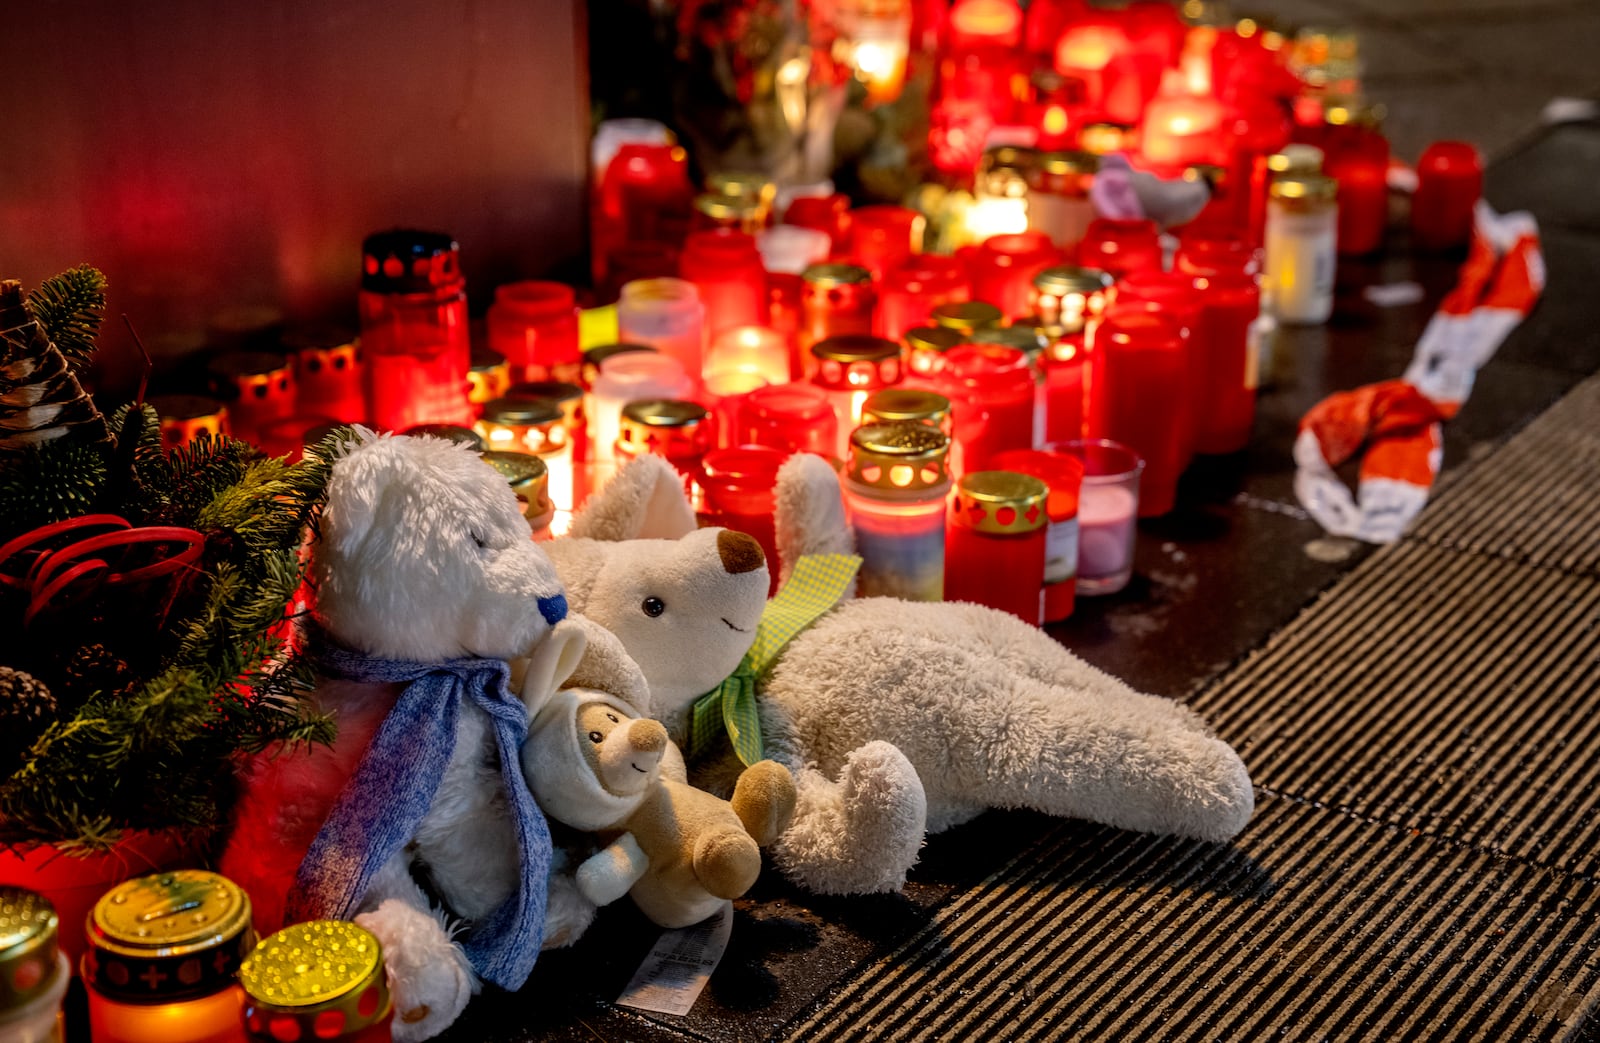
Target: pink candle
1105, 532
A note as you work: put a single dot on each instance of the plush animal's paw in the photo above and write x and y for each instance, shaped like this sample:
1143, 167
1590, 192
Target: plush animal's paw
428, 974
726, 862
567, 912
861, 834
764, 799
607, 875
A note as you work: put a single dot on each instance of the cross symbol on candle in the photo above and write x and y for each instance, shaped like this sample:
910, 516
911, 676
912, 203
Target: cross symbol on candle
1032, 515
978, 513
153, 977
220, 962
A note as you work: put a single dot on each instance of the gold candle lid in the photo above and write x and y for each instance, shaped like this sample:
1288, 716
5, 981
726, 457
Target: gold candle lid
1296, 159
1001, 503
900, 405
937, 339
543, 422
824, 276
966, 316
1316, 188
742, 184
449, 432
1069, 278
529, 478
672, 428
1104, 138
904, 457
566, 395
1026, 339
168, 936
856, 361
29, 935
324, 979
728, 209
1074, 161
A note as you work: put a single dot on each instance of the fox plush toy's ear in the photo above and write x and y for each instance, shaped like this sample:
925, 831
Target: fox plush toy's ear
644, 501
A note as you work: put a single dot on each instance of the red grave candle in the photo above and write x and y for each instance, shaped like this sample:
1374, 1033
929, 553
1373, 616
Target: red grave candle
995, 547
829, 214
727, 269
1120, 247
1045, 21
644, 196
1139, 396
1063, 475
836, 300
740, 487
849, 369
1003, 267
535, 326
1224, 273
1065, 387
974, 23
327, 372
1449, 182
1180, 128
796, 418
910, 292
413, 304
1173, 294
1358, 158
1088, 51
882, 238
1255, 128
991, 393
957, 130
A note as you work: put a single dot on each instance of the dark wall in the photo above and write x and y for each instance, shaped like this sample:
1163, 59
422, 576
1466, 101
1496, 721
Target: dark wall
223, 157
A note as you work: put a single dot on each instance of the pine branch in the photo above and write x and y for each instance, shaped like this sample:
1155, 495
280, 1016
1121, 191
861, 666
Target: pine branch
70, 306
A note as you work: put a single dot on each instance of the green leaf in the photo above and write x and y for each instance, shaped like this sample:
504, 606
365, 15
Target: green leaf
70, 306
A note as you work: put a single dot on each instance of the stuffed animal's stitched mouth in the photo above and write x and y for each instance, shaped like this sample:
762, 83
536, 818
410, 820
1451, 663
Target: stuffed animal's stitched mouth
635, 767
741, 630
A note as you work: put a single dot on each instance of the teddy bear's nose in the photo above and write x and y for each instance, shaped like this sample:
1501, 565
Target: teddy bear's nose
647, 736
739, 553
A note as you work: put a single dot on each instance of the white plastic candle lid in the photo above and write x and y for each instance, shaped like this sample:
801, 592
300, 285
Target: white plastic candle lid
789, 193
641, 374
611, 135
791, 249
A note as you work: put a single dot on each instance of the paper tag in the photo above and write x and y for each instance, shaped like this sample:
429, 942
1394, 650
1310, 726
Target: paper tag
680, 963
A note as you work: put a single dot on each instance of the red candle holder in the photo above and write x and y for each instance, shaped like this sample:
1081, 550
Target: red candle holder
413, 305
1449, 183
1173, 294
740, 487
1089, 51
726, 267
1054, 109
796, 418
882, 238
1358, 158
848, 370
1139, 397
645, 196
1225, 273
1120, 247
535, 326
637, 262
327, 372
911, 292
1058, 197
1180, 128
837, 300
957, 131
1046, 20
925, 350
1003, 267
996, 546
1066, 387
828, 214
1062, 474
991, 393
785, 300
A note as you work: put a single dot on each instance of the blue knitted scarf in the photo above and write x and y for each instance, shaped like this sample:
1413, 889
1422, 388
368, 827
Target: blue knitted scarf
394, 785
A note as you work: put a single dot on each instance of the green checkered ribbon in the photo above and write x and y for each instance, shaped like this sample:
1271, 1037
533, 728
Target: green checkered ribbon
815, 586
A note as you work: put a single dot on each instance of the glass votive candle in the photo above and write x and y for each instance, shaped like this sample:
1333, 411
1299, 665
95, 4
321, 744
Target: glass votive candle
740, 493
837, 300
1066, 388
967, 317
596, 356
828, 214
258, 387
413, 305
848, 370
628, 378
488, 377
894, 485
322, 980
1225, 272
1174, 295
907, 405
1068, 296
1031, 341
35, 970
995, 546
726, 269
1358, 159
1138, 397
666, 314
882, 237
1120, 247
680, 432
1302, 248
925, 350
790, 249
1003, 267
750, 185
1107, 508
534, 325
1449, 183
184, 418
794, 418
991, 392
908, 294
529, 478
749, 349
569, 397
523, 425
714, 211
1063, 474
1058, 197
724, 394
875, 43
327, 372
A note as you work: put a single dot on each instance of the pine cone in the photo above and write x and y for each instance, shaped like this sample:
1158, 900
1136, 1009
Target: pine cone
26, 709
95, 668
40, 398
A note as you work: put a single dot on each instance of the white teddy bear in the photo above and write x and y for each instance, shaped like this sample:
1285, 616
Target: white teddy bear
895, 717
426, 580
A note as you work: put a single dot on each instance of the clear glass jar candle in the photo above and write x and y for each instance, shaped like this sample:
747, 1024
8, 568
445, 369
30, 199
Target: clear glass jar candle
1302, 248
910, 293
322, 980
894, 485
34, 972
1108, 509
837, 300
793, 418
668, 315
624, 379
848, 370
413, 305
995, 545
534, 324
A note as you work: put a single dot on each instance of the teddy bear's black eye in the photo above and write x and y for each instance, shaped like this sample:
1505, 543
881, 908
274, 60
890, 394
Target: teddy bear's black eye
612, 718
596, 738
479, 540
653, 607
